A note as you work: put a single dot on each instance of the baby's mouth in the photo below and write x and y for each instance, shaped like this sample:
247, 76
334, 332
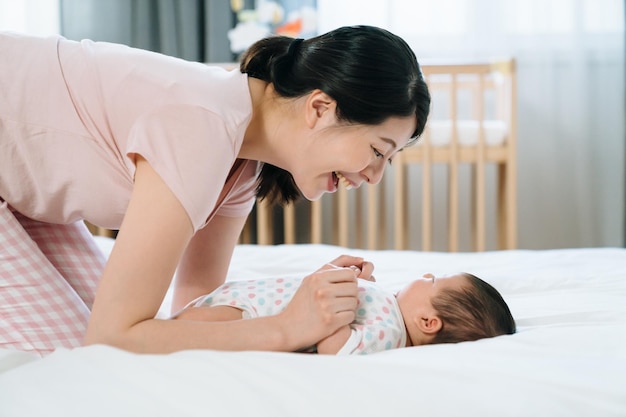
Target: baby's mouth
339, 178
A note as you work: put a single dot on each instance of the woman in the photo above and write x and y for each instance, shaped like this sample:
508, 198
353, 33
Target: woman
172, 153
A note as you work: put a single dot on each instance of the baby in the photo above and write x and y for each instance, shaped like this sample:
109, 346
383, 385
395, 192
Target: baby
448, 309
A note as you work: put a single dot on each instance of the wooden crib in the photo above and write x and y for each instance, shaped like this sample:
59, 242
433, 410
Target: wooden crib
459, 180
455, 190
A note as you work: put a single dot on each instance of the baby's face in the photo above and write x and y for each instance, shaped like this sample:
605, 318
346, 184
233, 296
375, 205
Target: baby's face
416, 296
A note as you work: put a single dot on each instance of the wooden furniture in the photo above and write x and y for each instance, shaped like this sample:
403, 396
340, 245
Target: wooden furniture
463, 169
100, 231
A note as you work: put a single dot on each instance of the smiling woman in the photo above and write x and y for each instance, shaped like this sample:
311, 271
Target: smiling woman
347, 73
179, 143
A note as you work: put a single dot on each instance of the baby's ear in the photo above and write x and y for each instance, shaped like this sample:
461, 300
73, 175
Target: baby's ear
428, 325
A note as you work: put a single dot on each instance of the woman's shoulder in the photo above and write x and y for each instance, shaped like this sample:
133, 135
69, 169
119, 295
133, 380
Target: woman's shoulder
131, 76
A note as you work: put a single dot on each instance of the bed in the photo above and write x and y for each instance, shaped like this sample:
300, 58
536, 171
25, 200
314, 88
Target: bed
567, 359
447, 205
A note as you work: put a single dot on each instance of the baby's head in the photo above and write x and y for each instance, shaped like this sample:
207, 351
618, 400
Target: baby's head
454, 308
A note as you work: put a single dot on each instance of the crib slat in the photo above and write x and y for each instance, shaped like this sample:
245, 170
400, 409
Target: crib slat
316, 221
342, 217
427, 194
400, 203
289, 223
480, 193
509, 226
264, 223
357, 209
453, 173
373, 217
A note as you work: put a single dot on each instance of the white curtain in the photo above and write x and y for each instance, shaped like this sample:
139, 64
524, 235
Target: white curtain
571, 102
36, 17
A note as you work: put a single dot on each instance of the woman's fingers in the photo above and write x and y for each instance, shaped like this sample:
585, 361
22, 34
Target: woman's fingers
325, 301
367, 269
336, 290
347, 260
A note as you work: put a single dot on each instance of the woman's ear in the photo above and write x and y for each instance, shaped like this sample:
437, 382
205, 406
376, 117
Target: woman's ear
429, 325
320, 109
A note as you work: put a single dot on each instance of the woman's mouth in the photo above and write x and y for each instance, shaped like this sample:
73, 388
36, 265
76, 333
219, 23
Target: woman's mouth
339, 178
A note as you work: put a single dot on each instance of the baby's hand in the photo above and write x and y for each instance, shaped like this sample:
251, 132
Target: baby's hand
363, 269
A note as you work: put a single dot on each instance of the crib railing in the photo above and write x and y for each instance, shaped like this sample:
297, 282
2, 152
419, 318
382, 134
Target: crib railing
455, 190
463, 164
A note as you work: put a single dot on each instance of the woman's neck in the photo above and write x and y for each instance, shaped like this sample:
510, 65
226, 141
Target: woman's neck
257, 142
277, 131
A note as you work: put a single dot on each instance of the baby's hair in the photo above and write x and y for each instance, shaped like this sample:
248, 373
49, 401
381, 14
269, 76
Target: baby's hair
475, 311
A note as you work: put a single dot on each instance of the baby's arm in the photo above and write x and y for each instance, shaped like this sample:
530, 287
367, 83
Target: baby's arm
333, 343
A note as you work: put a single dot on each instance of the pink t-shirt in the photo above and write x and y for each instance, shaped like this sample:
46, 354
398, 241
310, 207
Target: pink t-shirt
73, 114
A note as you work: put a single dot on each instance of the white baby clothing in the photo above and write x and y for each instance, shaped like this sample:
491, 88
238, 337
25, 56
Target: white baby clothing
378, 325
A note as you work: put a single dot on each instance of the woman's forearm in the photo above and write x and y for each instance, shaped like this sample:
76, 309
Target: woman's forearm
165, 336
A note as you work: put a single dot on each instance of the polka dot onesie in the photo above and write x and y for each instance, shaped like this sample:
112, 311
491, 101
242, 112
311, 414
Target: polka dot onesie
378, 325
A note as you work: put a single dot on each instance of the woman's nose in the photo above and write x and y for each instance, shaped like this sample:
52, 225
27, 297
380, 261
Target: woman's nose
374, 173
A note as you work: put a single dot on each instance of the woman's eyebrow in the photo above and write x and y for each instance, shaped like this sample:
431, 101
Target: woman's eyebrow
390, 142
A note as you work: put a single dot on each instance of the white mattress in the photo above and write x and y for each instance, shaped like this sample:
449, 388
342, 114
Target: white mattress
568, 358
468, 132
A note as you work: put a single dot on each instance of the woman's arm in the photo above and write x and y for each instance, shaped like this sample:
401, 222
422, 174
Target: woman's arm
140, 269
205, 262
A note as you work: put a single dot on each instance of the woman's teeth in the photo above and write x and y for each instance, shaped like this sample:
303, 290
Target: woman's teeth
344, 181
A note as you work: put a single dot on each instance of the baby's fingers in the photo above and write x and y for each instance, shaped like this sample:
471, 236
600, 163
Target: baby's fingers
367, 269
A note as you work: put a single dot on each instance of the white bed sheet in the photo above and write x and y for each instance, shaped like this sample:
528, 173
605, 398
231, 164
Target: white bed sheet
568, 358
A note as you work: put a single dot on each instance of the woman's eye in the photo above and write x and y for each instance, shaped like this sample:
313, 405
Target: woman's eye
379, 154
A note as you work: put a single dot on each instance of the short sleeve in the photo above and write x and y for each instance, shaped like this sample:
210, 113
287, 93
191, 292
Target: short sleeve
241, 200
378, 325
372, 338
192, 150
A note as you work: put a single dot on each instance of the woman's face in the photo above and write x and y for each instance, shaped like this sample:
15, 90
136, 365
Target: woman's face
349, 155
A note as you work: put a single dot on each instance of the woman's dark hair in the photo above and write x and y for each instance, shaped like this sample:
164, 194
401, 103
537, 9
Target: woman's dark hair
475, 311
371, 73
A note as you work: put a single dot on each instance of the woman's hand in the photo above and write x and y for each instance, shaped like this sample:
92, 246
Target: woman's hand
364, 268
325, 301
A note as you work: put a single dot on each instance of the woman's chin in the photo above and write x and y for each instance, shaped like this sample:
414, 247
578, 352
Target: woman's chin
312, 195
